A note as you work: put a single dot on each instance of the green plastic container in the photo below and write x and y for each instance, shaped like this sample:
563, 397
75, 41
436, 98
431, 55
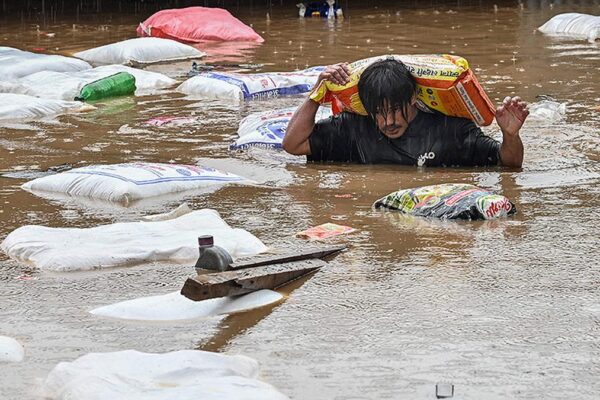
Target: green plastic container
119, 84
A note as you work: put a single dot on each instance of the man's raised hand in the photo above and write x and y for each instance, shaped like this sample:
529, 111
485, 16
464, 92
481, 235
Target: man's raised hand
511, 115
336, 73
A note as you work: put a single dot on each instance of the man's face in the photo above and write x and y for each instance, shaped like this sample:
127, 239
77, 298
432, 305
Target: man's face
391, 122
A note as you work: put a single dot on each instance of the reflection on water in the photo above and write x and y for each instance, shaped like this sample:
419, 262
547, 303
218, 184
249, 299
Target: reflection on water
503, 309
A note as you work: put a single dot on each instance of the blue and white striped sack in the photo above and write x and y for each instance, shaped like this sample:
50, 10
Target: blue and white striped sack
266, 129
230, 85
125, 183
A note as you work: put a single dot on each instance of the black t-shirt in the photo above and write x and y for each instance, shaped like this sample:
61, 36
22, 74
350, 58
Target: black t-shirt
431, 139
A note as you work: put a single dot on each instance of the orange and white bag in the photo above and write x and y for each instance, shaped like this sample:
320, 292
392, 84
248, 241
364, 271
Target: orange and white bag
444, 83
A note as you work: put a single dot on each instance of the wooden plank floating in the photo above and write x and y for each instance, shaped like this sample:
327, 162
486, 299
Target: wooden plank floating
246, 280
306, 254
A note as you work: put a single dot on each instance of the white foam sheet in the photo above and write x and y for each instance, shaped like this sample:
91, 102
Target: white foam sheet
126, 243
10, 350
267, 129
141, 50
67, 85
24, 107
238, 87
583, 26
181, 375
174, 306
126, 183
15, 63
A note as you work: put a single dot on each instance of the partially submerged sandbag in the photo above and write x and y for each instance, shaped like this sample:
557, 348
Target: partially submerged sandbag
234, 86
448, 201
10, 350
15, 63
445, 83
140, 51
576, 25
23, 107
126, 243
197, 24
126, 183
175, 307
267, 129
67, 86
183, 375
119, 84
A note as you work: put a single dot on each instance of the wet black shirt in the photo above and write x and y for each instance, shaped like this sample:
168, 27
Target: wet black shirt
431, 139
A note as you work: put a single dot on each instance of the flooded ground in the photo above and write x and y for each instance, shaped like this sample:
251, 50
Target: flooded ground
502, 309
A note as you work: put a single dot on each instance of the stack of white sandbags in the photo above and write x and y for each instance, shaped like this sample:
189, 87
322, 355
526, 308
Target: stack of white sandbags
577, 25
182, 375
140, 51
15, 63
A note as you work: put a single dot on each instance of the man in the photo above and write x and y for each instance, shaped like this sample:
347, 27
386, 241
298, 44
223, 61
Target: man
396, 131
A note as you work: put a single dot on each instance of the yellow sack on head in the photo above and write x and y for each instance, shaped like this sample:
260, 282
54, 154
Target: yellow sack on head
445, 83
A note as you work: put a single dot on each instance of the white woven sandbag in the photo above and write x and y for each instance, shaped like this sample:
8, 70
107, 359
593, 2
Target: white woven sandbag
15, 63
234, 86
174, 306
23, 107
181, 375
125, 183
141, 51
126, 243
10, 350
573, 24
267, 129
66, 86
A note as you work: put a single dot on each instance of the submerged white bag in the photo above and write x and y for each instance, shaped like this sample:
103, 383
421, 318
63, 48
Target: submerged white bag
23, 107
66, 86
182, 375
125, 183
267, 129
175, 307
573, 24
10, 350
15, 63
126, 243
234, 86
140, 51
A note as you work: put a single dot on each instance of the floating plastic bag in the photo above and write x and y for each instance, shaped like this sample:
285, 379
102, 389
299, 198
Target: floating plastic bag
233, 86
573, 24
182, 375
23, 107
10, 350
448, 201
267, 129
16, 63
174, 306
547, 111
444, 83
126, 243
197, 24
119, 84
125, 183
67, 86
140, 51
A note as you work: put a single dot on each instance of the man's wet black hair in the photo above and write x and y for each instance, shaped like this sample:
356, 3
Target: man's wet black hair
386, 83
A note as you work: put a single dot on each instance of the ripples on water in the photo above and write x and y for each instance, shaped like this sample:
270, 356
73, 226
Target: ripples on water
503, 309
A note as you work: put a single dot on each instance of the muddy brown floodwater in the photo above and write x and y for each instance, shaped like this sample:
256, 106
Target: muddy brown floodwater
502, 309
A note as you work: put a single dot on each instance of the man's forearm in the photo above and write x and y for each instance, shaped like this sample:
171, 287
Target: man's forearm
299, 129
511, 151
